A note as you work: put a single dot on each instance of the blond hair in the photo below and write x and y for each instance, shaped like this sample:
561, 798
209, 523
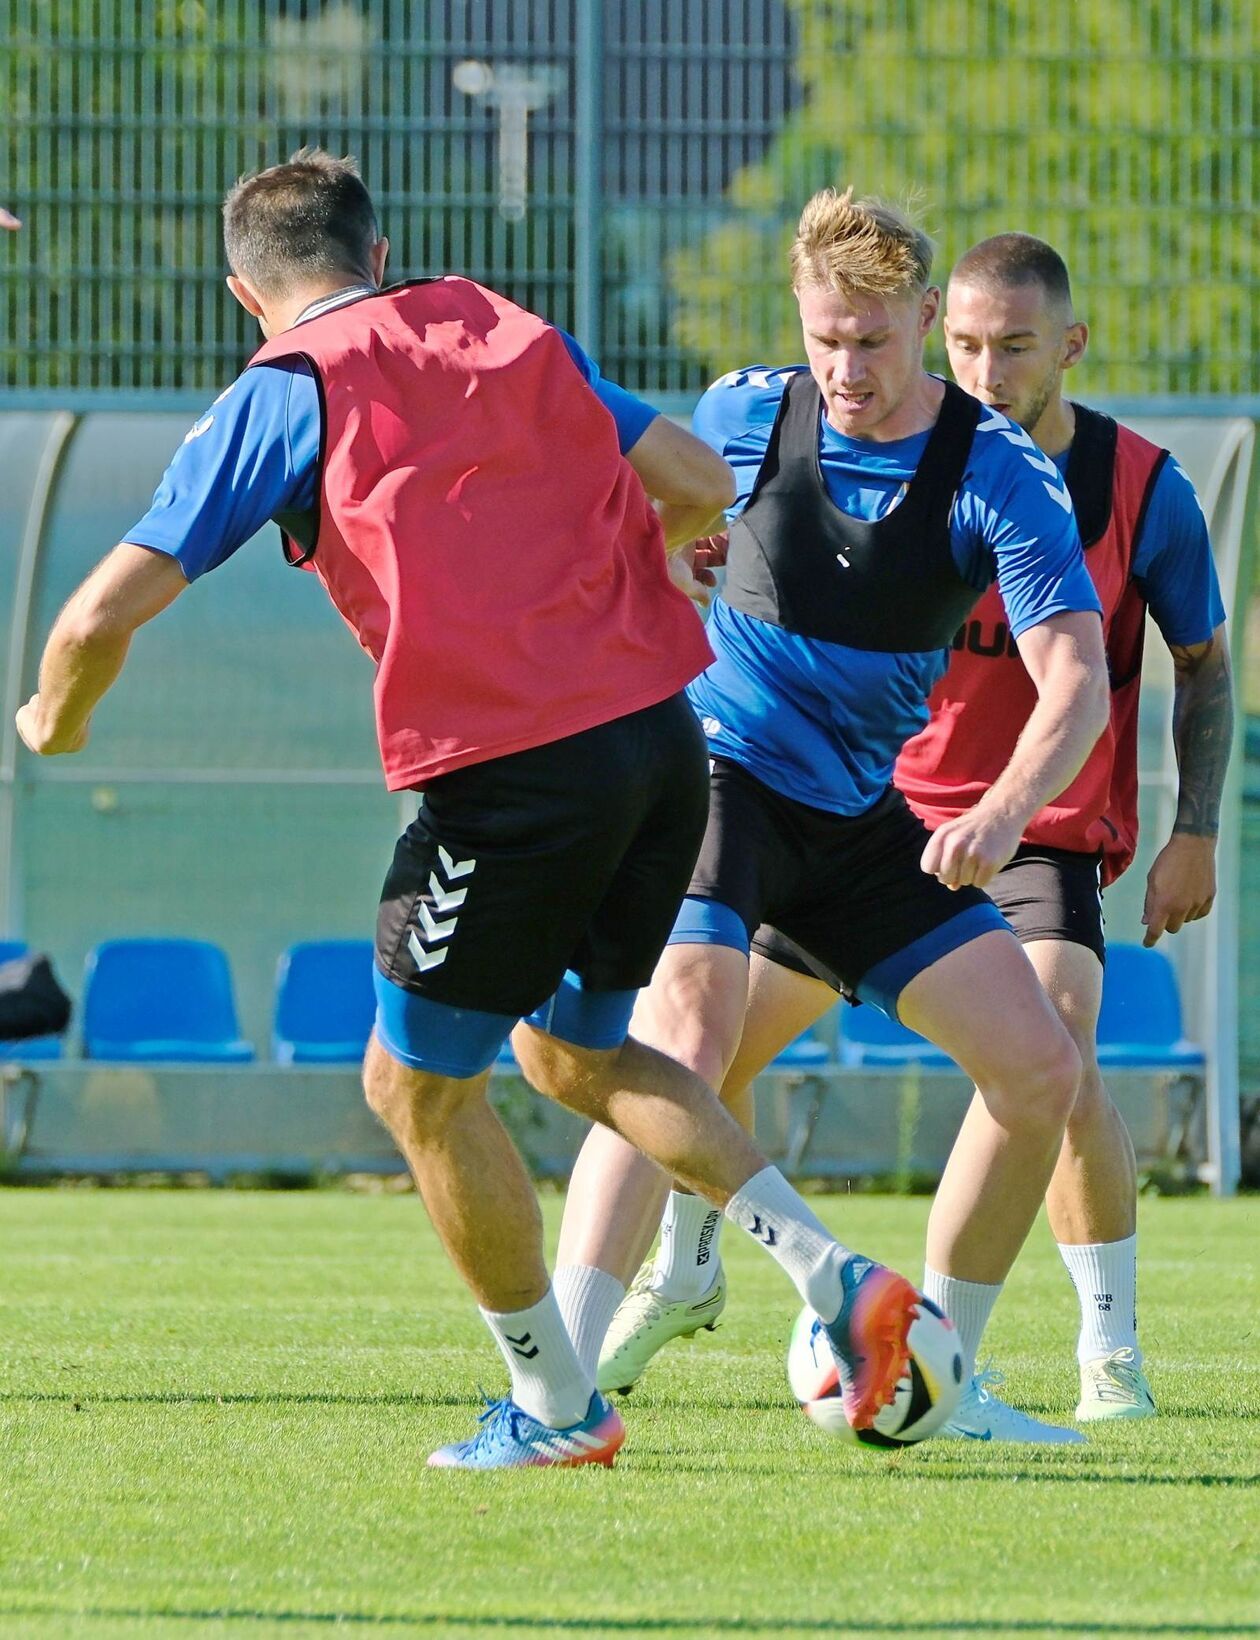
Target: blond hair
863, 247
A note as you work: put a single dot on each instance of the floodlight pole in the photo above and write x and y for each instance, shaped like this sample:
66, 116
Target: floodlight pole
515, 91
588, 202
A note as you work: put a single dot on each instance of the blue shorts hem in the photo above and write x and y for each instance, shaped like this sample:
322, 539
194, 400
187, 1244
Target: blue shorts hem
709, 922
435, 1036
599, 1020
883, 984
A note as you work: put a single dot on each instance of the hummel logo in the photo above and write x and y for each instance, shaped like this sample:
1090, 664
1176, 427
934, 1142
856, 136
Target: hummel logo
1053, 483
424, 959
445, 899
518, 1345
435, 929
764, 1233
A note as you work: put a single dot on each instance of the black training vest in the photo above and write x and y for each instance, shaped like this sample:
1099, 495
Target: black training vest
1091, 471
796, 560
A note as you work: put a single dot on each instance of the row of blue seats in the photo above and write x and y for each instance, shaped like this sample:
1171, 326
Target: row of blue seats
149, 1000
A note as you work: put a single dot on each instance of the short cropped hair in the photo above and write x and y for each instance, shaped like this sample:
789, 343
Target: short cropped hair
303, 220
863, 247
1010, 259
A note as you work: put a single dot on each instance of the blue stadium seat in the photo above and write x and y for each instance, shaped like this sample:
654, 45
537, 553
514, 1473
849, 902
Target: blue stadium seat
161, 999
25, 1048
325, 1003
10, 950
1140, 1020
868, 1037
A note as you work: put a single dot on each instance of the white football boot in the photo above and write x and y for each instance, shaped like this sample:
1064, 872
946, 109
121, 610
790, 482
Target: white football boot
1114, 1386
982, 1417
645, 1322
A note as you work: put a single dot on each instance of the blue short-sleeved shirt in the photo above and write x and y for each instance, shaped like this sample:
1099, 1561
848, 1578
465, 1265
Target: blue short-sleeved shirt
1172, 560
821, 722
255, 453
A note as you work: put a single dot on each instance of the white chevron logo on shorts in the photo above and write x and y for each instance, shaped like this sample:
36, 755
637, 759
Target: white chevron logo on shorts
445, 899
425, 959
434, 930
455, 869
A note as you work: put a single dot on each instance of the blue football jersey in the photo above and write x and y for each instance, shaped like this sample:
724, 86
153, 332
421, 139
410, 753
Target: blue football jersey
823, 722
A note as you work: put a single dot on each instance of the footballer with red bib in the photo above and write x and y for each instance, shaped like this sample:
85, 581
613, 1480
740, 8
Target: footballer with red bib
478, 504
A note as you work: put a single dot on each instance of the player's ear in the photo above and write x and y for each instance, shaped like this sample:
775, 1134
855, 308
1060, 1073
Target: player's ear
245, 295
1075, 341
929, 309
380, 254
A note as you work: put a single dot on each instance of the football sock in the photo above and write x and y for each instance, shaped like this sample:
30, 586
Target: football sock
547, 1380
776, 1217
687, 1261
588, 1298
968, 1304
1104, 1274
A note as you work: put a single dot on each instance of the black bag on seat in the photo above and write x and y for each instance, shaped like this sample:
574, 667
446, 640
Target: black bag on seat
32, 1002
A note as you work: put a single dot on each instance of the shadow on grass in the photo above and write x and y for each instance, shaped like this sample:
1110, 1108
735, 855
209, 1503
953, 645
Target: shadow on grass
629, 1625
1244, 1412
918, 1472
189, 1398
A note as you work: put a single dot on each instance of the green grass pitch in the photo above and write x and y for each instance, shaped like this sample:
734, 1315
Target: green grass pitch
215, 1409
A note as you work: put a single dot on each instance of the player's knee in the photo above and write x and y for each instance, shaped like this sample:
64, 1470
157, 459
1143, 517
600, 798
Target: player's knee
560, 1070
1052, 1079
414, 1105
1039, 1089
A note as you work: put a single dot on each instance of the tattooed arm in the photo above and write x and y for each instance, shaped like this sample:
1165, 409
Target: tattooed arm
1182, 883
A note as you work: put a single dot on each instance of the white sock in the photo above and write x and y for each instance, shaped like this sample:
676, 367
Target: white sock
776, 1217
588, 1298
687, 1261
968, 1304
1104, 1274
547, 1381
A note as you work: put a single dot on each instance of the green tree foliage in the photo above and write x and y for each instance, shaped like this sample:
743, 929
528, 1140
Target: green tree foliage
127, 121
1120, 130
123, 126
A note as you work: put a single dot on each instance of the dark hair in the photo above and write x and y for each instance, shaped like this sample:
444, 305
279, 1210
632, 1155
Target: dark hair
1015, 259
301, 220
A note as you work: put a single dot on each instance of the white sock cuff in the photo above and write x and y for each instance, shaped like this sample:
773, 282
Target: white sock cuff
1104, 1274
687, 1260
588, 1298
968, 1304
778, 1219
547, 1381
